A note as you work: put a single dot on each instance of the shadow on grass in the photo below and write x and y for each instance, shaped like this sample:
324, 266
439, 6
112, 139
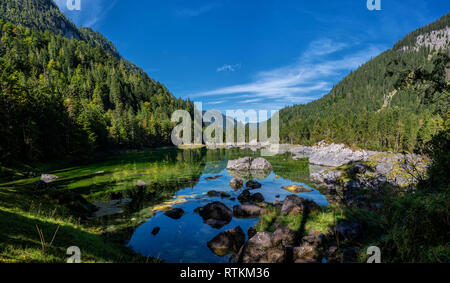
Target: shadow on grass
20, 241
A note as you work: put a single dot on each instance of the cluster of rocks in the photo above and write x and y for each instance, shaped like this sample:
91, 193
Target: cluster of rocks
282, 245
378, 172
217, 214
331, 155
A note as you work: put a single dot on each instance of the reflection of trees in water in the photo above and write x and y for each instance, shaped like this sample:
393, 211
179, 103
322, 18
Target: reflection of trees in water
287, 168
215, 167
190, 164
122, 226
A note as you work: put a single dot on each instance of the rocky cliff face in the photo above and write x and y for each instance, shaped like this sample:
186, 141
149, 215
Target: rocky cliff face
437, 40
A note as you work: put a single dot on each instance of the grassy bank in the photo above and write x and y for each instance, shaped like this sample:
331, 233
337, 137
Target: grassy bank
23, 212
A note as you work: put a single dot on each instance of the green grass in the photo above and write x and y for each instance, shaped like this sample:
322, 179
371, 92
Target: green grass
318, 220
23, 211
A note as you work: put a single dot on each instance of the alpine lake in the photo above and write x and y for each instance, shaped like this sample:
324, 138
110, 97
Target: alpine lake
134, 190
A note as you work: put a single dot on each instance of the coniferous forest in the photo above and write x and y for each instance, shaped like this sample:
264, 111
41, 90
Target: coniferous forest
368, 109
65, 97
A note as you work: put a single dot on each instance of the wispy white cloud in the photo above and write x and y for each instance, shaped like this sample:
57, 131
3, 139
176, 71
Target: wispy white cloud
91, 13
229, 68
194, 12
215, 102
312, 73
322, 47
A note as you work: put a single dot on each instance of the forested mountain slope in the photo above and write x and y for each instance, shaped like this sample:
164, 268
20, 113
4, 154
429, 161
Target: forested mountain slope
367, 108
61, 96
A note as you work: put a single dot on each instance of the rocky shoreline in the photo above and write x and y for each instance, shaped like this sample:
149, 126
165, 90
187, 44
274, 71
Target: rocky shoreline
354, 178
334, 162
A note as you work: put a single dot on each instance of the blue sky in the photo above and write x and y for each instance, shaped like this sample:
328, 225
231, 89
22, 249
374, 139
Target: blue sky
252, 54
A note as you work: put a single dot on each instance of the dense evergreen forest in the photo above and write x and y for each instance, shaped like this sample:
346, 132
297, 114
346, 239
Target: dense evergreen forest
367, 109
64, 97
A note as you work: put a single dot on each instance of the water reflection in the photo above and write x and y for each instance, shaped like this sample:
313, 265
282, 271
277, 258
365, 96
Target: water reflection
173, 178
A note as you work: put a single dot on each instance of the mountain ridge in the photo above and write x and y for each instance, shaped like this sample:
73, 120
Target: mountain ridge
356, 112
72, 97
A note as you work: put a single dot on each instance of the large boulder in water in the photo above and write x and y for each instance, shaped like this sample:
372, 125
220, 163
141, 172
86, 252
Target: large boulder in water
294, 205
261, 164
228, 242
248, 163
174, 213
242, 164
247, 211
247, 197
216, 214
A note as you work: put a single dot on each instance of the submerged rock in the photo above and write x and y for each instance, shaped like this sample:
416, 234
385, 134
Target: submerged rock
253, 184
224, 195
213, 178
174, 213
236, 183
296, 189
228, 242
155, 231
213, 193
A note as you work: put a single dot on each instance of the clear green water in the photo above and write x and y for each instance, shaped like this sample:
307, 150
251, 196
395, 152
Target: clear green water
178, 180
